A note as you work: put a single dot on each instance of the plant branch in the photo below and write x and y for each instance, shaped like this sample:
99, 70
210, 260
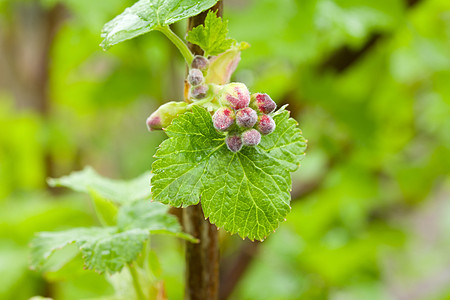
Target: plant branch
137, 286
175, 39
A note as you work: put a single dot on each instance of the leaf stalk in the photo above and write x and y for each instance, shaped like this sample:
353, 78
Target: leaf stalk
137, 286
175, 39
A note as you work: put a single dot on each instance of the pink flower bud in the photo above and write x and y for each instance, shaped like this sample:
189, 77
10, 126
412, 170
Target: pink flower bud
266, 124
263, 103
199, 91
223, 118
234, 142
164, 115
251, 137
246, 117
195, 77
200, 62
235, 95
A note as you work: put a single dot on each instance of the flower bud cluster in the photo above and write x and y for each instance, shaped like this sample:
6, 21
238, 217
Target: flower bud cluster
242, 116
196, 79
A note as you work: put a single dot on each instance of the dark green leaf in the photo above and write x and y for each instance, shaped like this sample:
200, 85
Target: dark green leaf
245, 192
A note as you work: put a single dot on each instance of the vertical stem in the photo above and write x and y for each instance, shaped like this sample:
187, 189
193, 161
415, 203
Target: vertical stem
137, 286
202, 259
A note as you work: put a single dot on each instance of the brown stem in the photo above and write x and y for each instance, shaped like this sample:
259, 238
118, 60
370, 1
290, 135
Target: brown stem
202, 259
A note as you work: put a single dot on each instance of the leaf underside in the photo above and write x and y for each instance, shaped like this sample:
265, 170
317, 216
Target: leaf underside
146, 15
118, 191
245, 192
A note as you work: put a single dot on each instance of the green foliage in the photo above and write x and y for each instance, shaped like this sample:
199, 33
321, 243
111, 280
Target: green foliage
108, 249
118, 191
147, 15
211, 37
245, 192
378, 134
103, 249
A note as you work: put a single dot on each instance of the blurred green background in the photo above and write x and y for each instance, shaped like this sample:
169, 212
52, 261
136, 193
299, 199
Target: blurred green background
368, 81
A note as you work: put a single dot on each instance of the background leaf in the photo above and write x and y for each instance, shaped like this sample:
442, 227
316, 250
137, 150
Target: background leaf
108, 249
103, 249
118, 191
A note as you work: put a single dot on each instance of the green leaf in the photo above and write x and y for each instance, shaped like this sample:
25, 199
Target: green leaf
118, 191
153, 217
245, 192
147, 15
212, 37
103, 249
105, 209
108, 249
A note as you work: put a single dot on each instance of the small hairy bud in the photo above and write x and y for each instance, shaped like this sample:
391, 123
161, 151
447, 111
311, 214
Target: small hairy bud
234, 142
200, 62
251, 137
266, 124
246, 117
223, 118
195, 77
235, 95
263, 103
199, 91
164, 115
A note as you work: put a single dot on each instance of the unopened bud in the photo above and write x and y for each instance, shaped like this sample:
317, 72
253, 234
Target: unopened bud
266, 124
200, 62
246, 117
251, 137
195, 77
234, 142
199, 91
235, 95
164, 115
263, 103
223, 118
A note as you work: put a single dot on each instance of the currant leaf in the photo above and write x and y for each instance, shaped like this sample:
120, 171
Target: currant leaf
146, 15
211, 37
108, 249
245, 192
118, 191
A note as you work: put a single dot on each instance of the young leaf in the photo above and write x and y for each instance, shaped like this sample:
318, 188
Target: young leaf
245, 192
221, 67
212, 37
118, 191
146, 15
108, 249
